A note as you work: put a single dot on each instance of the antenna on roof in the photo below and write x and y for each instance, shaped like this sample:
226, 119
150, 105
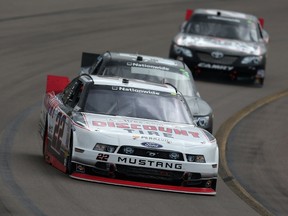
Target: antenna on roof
125, 81
218, 13
139, 58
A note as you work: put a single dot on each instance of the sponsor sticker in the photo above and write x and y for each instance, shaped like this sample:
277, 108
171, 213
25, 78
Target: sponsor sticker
143, 65
151, 145
135, 90
215, 66
146, 129
149, 163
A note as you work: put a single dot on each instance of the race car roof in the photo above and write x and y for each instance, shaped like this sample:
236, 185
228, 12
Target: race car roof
117, 56
131, 83
225, 13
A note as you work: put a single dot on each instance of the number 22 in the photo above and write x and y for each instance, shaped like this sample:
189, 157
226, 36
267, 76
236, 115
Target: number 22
58, 132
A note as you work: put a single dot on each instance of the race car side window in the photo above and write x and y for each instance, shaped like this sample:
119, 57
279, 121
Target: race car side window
96, 65
67, 91
76, 95
260, 30
72, 93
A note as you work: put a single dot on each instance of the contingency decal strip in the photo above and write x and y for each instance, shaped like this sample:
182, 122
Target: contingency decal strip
170, 188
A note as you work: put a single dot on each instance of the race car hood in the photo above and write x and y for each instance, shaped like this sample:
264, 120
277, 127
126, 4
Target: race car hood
228, 45
198, 106
135, 131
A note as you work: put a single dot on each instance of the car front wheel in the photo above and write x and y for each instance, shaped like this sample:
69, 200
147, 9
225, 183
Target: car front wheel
70, 166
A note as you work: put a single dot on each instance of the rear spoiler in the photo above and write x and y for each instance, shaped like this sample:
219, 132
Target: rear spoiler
56, 84
188, 14
261, 21
88, 59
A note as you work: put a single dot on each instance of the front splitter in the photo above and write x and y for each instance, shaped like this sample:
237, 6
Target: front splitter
150, 186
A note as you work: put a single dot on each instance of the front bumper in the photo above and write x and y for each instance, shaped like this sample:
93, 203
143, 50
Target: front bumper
233, 72
142, 185
157, 174
201, 62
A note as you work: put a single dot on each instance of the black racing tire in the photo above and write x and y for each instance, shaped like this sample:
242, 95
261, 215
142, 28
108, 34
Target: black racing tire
171, 53
259, 82
45, 142
210, 130
70, 166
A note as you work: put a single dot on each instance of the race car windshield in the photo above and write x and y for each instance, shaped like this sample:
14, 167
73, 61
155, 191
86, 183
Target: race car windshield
223, 27
180, 78
137, 103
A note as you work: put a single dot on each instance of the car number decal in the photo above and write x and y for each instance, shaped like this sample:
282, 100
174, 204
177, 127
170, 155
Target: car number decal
102, 157
58, 132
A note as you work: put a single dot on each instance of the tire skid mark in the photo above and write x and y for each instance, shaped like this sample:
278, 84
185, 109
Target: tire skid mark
108, 8
222, 137
6, 174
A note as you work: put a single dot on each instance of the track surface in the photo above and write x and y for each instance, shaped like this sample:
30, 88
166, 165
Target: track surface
40, 38
257, 157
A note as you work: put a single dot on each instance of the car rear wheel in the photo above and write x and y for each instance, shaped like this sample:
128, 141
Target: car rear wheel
45, 145
261, 81
171, 53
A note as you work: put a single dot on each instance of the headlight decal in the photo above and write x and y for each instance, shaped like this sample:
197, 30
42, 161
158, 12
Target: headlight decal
201, 121
105, 148
255, 60
182, 51
195, 158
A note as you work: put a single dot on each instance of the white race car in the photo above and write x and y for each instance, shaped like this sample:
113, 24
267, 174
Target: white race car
126, 132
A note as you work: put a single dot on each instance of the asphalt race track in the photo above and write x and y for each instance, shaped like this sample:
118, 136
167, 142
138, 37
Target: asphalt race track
47, 37
256, 154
